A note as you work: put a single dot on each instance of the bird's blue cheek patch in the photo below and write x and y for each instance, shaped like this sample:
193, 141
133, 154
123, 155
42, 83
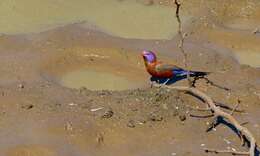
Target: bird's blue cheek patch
150, 58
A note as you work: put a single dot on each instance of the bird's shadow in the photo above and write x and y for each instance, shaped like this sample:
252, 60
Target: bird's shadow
163, 80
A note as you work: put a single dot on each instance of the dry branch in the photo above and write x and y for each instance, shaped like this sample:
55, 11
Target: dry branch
201, 116
233, 110
182, 36
228, 108
219, 105
242, 131
225, 151
208, 82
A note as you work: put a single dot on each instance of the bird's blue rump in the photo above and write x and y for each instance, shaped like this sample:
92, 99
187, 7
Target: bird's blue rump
182, 72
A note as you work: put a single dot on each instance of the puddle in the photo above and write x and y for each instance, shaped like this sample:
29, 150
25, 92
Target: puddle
99, 69
127, 19
94, 80
248, 57
244, 45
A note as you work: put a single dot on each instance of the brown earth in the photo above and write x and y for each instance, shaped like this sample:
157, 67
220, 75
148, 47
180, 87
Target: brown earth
41, 117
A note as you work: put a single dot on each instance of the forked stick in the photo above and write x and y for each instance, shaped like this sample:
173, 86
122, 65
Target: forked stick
242, 131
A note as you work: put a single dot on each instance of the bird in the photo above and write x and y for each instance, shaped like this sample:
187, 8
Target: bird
160, 70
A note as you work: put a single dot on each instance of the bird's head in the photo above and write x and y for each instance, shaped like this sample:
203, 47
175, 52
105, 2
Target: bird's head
148, 56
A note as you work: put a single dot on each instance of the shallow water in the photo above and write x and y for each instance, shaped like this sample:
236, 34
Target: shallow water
94, 80
251, 58
127, 19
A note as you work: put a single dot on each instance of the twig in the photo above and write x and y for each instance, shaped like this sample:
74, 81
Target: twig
182, 36
222, 106
243, 131
201, 116
244, 123
208, 81
225, 151
233, 110
212, 124
228, 108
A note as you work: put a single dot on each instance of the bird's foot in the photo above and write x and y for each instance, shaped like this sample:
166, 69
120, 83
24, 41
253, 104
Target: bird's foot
152, 84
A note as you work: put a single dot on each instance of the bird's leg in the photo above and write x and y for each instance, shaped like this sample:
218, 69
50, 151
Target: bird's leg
151, 84
166, 81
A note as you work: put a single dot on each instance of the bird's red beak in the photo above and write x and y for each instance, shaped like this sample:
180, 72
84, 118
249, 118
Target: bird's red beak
142, 54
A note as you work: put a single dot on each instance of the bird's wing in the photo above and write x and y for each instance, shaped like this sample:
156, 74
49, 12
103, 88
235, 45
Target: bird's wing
165, 67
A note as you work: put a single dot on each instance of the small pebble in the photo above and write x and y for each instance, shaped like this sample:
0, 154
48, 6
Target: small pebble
96, 109
182, 117
131, 124
29, 106
108, 113
227, 141
155, 117
73, 104
21, 86
100, 138
134, 109
68, 126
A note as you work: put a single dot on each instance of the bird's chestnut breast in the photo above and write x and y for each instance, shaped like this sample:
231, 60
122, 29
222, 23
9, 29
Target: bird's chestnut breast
151, 68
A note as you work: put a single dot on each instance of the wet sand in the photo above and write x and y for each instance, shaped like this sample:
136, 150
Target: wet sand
41, 115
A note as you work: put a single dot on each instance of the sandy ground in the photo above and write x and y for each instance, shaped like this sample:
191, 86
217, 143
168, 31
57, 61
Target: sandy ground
42, 116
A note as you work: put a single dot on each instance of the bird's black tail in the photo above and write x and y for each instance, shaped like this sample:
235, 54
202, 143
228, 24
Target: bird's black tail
198, 73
